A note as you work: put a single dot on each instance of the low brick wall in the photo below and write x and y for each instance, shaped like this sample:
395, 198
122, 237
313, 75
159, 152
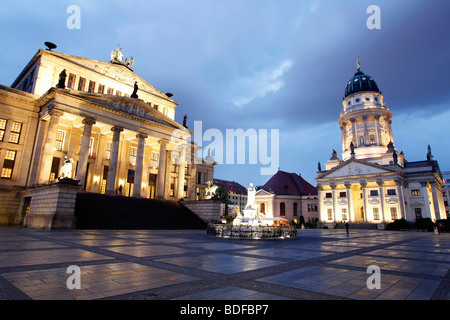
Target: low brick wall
207, 210
51, 207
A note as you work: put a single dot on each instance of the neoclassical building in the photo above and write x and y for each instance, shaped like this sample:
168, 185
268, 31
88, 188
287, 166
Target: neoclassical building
98, 123
288, 196
373, 182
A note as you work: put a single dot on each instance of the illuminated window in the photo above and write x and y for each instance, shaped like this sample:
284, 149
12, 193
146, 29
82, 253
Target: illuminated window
60, 136
101, 88
393, 213
108, 150
71, 81
8, 164
376, 214
110, 91
118, 93
391, 192
91, 88
330, 214
81, 84
3, 123
372, 139
374, 193
14, 136
133, 155
344, 214
415, 192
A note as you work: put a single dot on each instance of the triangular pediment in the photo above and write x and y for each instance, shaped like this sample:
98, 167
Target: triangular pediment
125, 106
262, 192
115, 71
356, 168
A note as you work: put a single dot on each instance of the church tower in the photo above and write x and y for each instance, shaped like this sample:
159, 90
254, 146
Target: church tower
365, 121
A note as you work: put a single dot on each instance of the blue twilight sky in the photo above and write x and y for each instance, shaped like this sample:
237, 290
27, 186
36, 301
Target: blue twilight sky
260, 64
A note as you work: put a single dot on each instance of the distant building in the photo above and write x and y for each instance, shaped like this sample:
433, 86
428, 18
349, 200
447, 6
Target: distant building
373, 183
237, 193
289, 196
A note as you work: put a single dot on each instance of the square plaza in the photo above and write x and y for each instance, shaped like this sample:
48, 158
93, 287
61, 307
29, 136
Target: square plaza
187, 265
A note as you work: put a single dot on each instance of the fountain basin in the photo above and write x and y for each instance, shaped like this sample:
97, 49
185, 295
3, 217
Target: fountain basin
248, 232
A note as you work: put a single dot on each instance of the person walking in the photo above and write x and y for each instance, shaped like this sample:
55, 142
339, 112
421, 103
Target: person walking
346, 228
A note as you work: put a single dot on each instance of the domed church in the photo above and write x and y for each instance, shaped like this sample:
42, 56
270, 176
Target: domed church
372, 182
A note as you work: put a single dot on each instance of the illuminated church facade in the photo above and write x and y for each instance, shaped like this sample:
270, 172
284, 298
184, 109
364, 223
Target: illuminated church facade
97, 123
372, 182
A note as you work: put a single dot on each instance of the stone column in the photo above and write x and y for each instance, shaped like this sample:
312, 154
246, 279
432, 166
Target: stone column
181, 174
344, 137
401, 200
84, 150
161, 169
49, 146
366, 132
378, 129
437, 213
380, 190
354, 135
333, 195
139, 165
363, 187
427, 202
111, 183
389, 124
349, 198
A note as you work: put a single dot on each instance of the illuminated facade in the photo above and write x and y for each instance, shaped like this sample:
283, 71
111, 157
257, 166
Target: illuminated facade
115, 131
373, 183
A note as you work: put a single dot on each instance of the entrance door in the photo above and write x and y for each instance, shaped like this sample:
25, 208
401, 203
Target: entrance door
362, 214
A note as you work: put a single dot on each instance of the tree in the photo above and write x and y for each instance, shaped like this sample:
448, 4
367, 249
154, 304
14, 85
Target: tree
222, 194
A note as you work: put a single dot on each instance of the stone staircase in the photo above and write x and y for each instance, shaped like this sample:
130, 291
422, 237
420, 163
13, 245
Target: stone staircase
97, 211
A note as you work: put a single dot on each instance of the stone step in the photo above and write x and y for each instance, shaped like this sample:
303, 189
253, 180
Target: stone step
97, 211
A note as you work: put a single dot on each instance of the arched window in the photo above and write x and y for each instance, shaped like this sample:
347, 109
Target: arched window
282, 209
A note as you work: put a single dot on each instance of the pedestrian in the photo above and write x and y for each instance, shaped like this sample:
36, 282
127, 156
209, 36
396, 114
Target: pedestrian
346, 227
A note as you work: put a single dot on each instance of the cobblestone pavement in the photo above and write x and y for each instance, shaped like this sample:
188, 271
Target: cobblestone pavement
186, 265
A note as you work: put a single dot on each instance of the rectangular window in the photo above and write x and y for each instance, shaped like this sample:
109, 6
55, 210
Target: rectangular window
374, 193
393, 213
418, 213
133, 155
282, 209
372, 139
330, 214
110, 91
54, 171
91, 87
343, 194
60, 136
328, 195
105, 179
71, 81
344, 214
81, 84
3, 123
8, 164
101, 88
108, 150
391, 192
14, 136
415, 192
118, 93
376, 214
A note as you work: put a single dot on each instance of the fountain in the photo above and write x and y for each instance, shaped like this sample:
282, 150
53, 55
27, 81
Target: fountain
250, 224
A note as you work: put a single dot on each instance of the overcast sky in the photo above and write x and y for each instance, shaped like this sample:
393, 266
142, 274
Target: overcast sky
260, 64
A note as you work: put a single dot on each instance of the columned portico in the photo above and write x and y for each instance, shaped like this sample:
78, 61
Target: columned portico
112, 171
47, 154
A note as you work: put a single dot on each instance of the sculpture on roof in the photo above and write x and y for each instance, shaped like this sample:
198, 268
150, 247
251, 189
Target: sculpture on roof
117, 54
136, 88
62, 80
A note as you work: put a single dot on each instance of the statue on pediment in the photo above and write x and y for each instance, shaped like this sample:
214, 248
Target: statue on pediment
117, 54
136, 88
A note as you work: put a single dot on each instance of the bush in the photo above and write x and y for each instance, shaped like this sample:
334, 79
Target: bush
443, 225
424, 224
399, 224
